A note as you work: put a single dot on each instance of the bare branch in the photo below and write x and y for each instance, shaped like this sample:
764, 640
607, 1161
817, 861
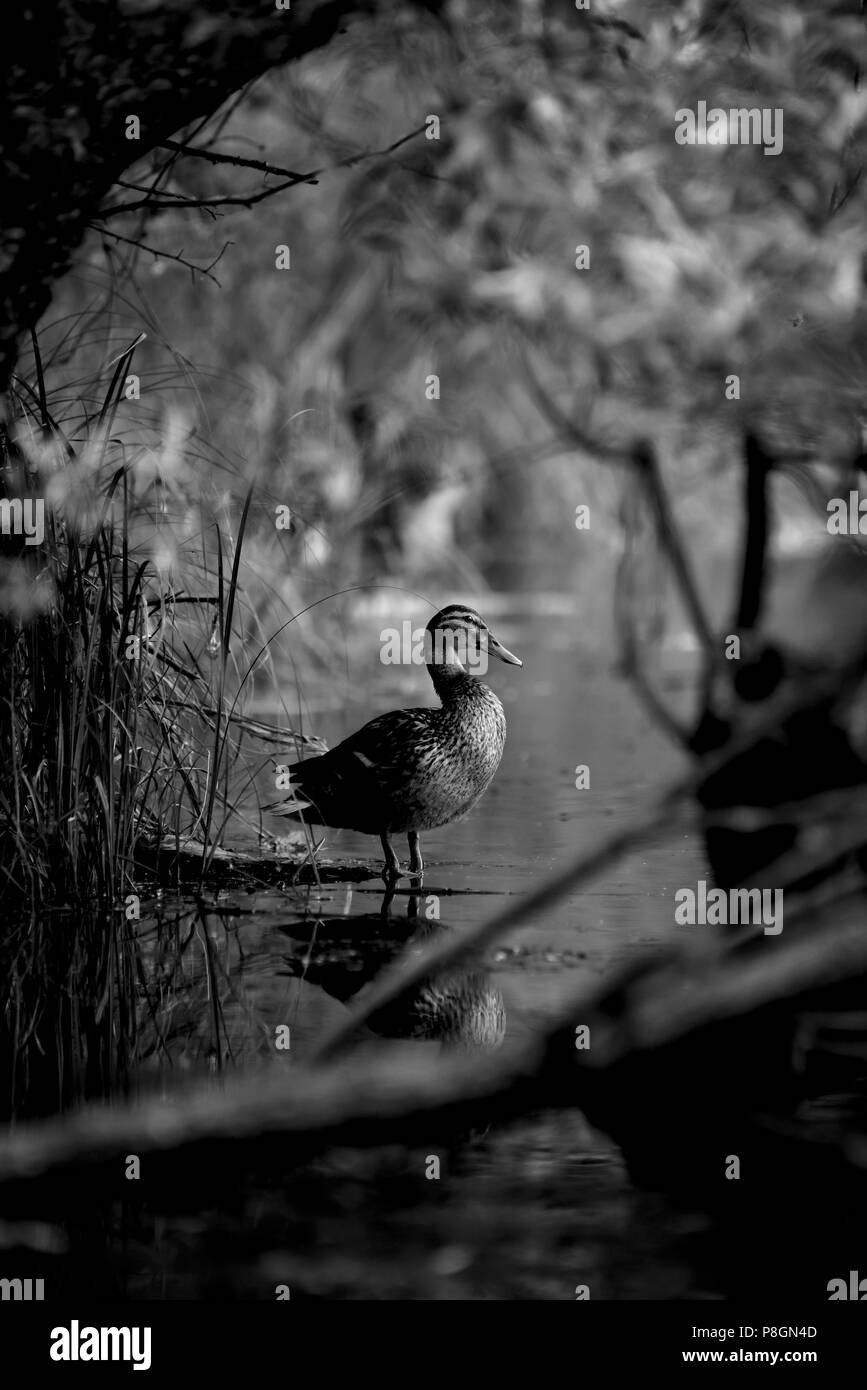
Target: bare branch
57, 63
630, 662
565, 426
757, 466
291, 179
166, 255
236, 161
645, 463
658, 1005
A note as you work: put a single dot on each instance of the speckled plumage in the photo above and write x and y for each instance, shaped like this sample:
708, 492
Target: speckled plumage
412, 769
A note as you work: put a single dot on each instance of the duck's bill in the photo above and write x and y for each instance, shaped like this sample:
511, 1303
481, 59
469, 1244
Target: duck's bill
497, 649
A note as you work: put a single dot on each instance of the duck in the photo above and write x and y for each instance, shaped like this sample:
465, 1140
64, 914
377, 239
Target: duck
413, 770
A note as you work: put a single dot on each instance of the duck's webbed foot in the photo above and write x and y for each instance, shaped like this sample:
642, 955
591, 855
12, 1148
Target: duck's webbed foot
416, 863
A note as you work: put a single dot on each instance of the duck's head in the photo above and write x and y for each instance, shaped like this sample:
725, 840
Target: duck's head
458, 636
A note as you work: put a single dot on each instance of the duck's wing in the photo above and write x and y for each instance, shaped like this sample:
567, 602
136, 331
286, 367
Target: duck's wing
354, 785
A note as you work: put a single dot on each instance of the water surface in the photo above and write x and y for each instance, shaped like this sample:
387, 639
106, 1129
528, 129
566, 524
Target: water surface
546, 1204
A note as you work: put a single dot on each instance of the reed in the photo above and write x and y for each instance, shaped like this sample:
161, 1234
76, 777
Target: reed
119, 724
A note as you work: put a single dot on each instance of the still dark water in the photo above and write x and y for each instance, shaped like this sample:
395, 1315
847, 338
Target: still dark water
529, 1212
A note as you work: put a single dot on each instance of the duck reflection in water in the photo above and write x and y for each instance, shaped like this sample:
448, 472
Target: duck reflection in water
344, 954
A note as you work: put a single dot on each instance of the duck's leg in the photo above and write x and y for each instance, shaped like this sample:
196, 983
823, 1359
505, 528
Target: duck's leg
416, 863
391, 867
387, 900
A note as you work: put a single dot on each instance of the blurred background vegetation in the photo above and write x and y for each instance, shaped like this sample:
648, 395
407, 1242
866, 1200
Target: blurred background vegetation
504, 276
456, 256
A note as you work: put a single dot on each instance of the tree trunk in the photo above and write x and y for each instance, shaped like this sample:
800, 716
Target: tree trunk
75, 71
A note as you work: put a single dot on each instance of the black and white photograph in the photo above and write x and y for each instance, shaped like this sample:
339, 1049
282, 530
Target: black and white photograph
433, 674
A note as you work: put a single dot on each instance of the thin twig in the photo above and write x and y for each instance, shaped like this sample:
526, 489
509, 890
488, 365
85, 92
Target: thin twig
165, 255
291, 179
236, 161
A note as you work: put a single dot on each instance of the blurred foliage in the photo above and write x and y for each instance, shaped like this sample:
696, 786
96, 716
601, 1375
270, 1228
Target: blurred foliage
456, 256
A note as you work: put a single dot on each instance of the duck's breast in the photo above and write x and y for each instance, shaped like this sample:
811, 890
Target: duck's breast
454, 764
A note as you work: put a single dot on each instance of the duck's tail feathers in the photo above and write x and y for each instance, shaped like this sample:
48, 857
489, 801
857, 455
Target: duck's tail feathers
290, 810
294, 801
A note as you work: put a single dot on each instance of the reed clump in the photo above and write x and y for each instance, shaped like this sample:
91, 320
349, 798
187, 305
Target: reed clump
120, 722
